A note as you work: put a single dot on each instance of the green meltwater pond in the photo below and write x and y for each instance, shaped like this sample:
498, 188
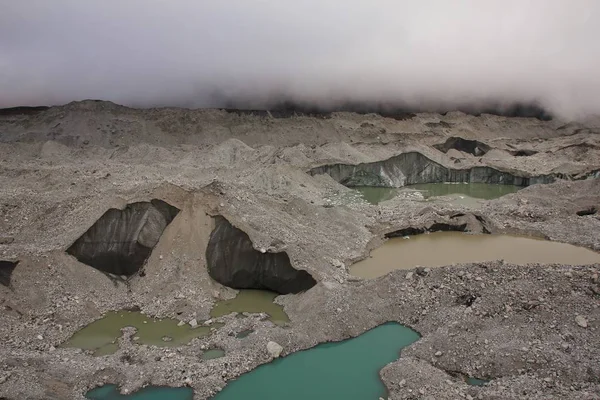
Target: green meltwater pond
346, 370
459, 193
464, 193
101, 335
445, 248
252, 301
111, 392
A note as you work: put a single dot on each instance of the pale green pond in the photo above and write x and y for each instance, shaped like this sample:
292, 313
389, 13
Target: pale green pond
252, 301
464, 193
459, 193
476, 381
101, 335
212, 354
244, 334
346, 370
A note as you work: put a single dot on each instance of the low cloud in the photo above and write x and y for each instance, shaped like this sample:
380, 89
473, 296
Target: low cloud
420, 55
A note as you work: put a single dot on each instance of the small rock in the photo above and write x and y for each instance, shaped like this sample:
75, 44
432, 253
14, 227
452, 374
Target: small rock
6, 239
421, 271
181, 323
167, 338
438, 353
274, 349
193, 323
409, 275
581, 321
402, 383
40, 337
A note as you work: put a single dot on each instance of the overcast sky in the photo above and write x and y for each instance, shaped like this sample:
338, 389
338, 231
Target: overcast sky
198, 52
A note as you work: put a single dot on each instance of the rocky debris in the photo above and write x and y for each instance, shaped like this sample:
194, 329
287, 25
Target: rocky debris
6, 239
121, 240
480, 316
274, 349
588, 211
581, 321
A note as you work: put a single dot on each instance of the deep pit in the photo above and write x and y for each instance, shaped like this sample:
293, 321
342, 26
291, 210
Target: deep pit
445, 248
343, 370
473, 147
6, 270
233, 261
414, 168
121, 241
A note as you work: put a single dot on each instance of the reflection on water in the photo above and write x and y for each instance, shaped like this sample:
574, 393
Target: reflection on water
444, 248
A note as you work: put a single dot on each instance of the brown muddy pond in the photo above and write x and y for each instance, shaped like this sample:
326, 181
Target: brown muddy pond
445, 248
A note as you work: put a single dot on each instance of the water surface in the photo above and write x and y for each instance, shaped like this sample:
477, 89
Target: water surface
346, 370
376, 195
444, 248
212, 354
244, 334
459, 193
111, 392
252, 301
485, 191
101, 335
476, 381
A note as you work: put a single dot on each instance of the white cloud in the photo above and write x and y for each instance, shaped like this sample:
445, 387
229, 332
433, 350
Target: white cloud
151, 52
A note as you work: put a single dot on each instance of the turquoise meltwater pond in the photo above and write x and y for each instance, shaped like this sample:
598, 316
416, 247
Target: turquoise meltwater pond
346, 370
111, 392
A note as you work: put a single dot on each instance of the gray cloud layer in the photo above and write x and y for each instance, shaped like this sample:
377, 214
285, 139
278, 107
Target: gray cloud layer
202, 52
